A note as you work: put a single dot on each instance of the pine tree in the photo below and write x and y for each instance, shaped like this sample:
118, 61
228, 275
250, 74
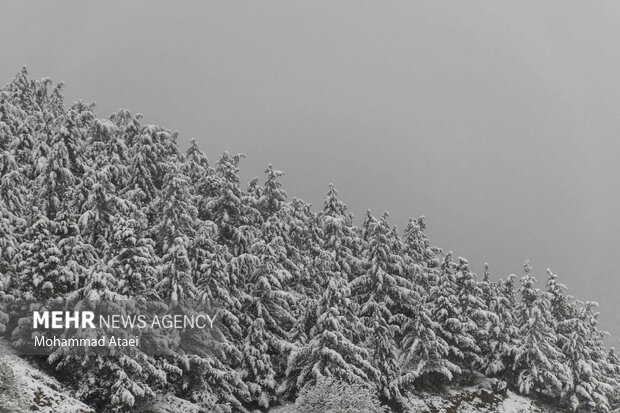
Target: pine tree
383, 293
8, 275
13, 186
331, 350
341, 240
538, 361
273, 196
41, 273
97, 203
216, 282
223, 204
131, 257
587, 360
503, 338
562, 307
54, 178
612, 374
107, 148
266, 320
8, 247
173, 233
196, 166
424, 358
445, 310
148, 167
473, 315
418, 247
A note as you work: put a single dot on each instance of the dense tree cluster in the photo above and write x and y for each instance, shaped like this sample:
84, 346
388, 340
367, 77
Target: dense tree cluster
113, 209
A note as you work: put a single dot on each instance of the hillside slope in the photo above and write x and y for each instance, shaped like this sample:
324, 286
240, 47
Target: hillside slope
95, 210
36, 391
33, 390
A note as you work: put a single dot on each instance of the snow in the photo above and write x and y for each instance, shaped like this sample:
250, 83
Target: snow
475, 399
35, 391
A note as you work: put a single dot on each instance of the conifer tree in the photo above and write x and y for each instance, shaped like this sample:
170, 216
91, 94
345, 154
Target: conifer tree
97, 203
41, 273
216, 282
420, 255
197, 165
147, 168
586, 358
562, 307
445, 305
273, 196
8, 274
331, 350
424, 358
472, 314
383, 293
341, 240
538, 360
173, 233
13, 186
54, 178
132, 257
266, 320
503, 338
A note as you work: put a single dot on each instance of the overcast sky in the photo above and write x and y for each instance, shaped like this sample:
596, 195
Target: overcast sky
497, 120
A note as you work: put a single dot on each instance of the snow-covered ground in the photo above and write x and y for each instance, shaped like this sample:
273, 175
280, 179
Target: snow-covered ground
476, 398
35, 391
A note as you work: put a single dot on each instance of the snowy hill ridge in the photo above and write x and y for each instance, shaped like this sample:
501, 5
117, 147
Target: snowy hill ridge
308, 301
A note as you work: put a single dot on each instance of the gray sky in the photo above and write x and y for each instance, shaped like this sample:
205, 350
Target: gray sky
497, 120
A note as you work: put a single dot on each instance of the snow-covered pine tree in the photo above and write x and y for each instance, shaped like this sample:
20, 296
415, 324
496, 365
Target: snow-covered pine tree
613, 376
273, 196
8, 248
420, 255
107, 148
266, 319
54, 178
586, 357
96, 201
424, 352
539, 362
331, 350
305, 248
148, 166
196, 166
41, 274
444, 302
341, 239
383, 294
223, 203
503, 333
209, 377
173, 234
8, 274
131, 257
216, 281
473, 315
562, 307
314, 264
13, 186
